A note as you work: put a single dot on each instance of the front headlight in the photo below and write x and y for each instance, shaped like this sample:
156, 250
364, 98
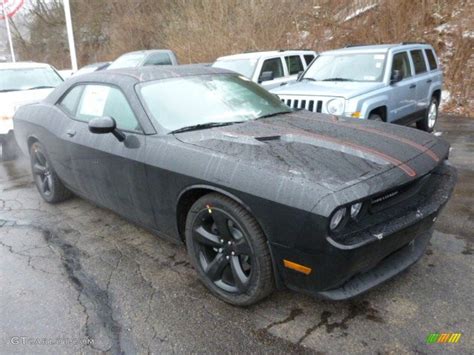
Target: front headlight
335, 106
338, 219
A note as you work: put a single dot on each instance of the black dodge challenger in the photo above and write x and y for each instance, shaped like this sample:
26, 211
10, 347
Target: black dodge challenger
263, 196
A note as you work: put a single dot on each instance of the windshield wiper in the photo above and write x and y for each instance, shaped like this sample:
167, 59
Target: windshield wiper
337, 79
273, 114
203, 126
41, 87
309, 79
9, 90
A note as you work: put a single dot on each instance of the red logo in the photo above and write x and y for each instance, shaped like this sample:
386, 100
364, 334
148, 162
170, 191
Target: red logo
11, 7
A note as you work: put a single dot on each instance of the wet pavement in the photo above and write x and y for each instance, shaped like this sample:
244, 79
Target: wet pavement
75, 277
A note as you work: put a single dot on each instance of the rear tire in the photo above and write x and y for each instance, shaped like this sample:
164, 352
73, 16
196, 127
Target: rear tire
50, 187
229, 251
429, 121
9, 148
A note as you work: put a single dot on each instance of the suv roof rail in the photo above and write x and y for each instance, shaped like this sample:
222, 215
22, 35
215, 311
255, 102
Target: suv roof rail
357, 45
406, 43
294, 49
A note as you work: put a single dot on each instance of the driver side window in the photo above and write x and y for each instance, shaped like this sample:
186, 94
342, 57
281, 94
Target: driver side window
274, 65
401, 63
103, 100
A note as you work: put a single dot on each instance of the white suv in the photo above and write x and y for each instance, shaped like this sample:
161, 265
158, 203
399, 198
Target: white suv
269, 69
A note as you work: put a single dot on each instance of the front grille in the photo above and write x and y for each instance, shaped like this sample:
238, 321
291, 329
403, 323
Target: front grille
310, 105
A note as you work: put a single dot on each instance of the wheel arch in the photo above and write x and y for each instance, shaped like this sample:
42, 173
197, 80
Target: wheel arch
191, 194
381, 111
437, 94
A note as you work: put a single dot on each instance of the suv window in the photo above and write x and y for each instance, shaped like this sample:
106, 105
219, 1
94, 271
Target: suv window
103, 100
401, 63
158, 59
274, 65
418, 61
294, 64
69, 102
308, 58
431, 59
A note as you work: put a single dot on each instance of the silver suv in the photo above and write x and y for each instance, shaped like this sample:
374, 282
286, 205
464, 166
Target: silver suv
398, 83
270, 69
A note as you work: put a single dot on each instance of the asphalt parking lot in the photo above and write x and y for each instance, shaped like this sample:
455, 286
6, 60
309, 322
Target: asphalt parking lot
74, 277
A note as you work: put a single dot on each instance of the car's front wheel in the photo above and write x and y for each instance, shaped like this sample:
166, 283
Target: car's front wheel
428, 123
229, 250
49, 185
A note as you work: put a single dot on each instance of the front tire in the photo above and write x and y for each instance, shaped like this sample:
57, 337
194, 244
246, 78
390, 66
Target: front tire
51, 189
229, 250
375, 117
428, 123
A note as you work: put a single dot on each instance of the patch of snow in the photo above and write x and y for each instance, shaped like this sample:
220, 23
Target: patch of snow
445, 98
359, 12
468, 34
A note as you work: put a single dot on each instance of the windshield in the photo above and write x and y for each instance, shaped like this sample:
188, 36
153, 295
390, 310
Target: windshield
347, 67
217, 98
246, 67
28, 79
127, 61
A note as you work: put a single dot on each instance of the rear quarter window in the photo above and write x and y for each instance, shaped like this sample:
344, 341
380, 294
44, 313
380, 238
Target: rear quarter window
418, 61
431, 59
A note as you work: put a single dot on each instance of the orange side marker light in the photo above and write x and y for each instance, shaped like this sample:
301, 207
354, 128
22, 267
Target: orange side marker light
297, 267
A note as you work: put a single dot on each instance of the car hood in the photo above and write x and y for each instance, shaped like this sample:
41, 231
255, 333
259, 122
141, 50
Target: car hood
332, 152
10, 101
327, 88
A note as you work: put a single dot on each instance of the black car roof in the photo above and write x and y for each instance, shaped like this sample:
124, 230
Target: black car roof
158, 72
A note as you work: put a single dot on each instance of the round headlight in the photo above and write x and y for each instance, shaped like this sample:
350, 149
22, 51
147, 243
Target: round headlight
355, 209
337, 218
335, 106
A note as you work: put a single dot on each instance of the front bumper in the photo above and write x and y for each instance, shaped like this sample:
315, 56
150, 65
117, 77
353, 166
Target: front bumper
346, 268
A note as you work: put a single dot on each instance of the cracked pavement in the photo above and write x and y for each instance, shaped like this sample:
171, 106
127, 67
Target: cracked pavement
79, 272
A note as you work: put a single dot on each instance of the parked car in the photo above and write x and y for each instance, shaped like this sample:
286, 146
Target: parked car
269, 69
92, 68
397, 83
21, 83
145, 58
66, 73
260, 194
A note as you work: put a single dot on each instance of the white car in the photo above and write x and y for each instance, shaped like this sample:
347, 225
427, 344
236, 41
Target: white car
21, 83
270, 69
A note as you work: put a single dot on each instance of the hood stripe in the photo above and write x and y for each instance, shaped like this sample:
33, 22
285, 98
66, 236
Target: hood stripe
405, 168
415, 145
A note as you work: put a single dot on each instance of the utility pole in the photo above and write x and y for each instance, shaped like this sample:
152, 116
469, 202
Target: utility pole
70, 35
7, 23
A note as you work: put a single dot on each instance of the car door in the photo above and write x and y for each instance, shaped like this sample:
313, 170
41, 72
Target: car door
276, 66
403, 99
107, 171
294, 66
422, 77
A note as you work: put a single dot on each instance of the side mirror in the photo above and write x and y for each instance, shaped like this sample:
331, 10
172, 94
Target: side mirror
266, 76
103, 125
396, 76
300, 74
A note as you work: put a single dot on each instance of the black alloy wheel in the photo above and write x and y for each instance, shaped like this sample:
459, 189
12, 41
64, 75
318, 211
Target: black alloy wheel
229, 250
47, 182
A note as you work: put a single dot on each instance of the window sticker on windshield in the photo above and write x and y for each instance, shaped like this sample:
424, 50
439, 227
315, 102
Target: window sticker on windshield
94, 99
379, 56
378, 64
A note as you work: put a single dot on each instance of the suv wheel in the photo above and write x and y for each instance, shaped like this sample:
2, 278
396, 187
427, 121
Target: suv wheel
428, 123
375, 117
229, 250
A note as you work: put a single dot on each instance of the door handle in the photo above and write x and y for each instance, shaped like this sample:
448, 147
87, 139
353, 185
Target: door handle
412, 86
429, 81
71, 133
